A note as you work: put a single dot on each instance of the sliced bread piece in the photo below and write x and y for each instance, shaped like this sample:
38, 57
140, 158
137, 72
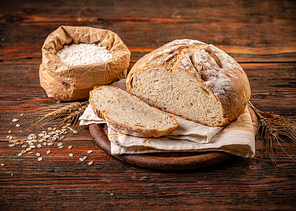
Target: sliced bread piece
128, 114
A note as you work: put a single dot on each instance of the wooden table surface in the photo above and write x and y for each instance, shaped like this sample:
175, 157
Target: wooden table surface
260, 35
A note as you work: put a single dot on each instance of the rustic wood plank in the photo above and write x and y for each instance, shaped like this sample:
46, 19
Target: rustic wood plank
220, 23
260, 35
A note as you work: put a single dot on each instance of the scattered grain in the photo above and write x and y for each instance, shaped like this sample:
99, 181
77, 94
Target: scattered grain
32, 136
38, 154
60, 147
89, 151
70, 147
11, 145
19, 154
17, 125
71, 155
46, 136
9, 131
28, 149
2, 164
73, 131
25, 145
21, 114
40, 159
48, 152
54, 138
15, 120
83, 159
90, 163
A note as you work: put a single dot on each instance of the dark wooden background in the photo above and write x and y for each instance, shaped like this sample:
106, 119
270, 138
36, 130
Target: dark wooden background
260, 35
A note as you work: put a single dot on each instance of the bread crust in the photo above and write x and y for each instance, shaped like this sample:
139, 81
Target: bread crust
126, 129
233, 99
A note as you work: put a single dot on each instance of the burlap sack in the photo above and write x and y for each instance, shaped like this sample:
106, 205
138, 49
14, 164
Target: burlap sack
66, 83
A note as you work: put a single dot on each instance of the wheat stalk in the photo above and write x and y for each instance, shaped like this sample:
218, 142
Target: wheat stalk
272, 127
67, 114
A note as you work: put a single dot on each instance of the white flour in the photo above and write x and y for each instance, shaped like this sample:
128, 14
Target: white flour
216, 78
83, 54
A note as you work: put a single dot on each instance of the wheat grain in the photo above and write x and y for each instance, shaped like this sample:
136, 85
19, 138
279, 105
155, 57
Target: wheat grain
271, 126
64, 115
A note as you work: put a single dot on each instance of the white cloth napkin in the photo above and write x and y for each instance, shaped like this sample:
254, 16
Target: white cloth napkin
237, 138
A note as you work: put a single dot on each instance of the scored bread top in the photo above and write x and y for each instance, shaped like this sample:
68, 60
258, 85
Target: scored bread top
128, 114
215, 70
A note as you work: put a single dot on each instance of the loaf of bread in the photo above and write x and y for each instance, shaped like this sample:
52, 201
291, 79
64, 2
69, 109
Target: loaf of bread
128, 114
191, 79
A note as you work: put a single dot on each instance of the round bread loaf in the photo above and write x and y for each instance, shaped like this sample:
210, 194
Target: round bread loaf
191, 79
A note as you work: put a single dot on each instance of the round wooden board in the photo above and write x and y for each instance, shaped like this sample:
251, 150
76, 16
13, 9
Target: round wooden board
165, 161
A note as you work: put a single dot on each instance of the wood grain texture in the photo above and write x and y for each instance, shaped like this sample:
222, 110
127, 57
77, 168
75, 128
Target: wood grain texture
260, 35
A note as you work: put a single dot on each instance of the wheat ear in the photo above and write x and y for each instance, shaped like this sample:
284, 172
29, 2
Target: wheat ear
65, 115
272, 127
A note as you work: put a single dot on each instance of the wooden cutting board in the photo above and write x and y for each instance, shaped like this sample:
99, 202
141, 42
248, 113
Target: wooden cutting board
165, 161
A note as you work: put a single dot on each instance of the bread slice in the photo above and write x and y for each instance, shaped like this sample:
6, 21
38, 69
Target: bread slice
191, 79
128, 114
